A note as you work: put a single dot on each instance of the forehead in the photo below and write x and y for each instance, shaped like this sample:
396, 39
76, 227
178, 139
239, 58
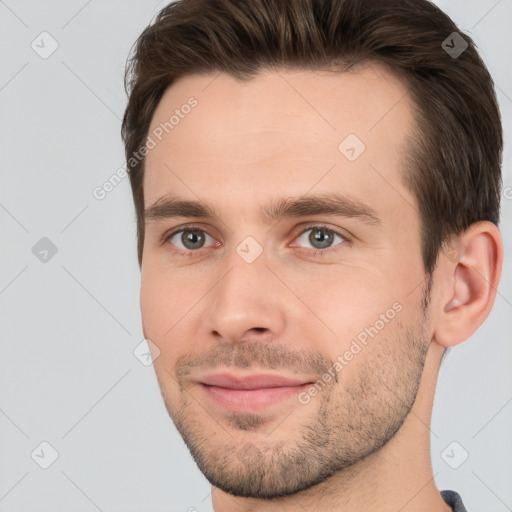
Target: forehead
284, 132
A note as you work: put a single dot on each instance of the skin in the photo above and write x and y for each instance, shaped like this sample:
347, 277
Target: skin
362, 441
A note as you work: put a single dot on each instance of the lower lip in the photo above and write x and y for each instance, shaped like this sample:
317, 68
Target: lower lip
250, 400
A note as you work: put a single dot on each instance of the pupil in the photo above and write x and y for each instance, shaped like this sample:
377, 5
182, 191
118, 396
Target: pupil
193, 238
318, 236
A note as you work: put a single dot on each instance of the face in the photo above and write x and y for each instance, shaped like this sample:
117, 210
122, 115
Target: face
287, 311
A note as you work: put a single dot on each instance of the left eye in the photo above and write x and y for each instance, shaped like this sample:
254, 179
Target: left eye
320, 237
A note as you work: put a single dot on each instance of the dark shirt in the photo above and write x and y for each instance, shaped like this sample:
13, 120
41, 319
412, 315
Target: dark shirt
454, 500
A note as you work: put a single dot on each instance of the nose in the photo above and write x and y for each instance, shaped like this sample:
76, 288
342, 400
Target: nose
248, 302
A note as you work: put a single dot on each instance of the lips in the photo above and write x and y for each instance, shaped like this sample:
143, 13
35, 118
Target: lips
250, 393
258, 381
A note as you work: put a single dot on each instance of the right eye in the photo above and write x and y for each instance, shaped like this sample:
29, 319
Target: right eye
191, 238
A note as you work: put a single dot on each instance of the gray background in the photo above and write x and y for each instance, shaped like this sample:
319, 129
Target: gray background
70, 324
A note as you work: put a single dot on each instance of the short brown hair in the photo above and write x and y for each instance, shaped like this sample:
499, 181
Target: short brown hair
454, 164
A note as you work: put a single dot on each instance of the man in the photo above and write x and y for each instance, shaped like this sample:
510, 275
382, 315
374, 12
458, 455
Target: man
317, 194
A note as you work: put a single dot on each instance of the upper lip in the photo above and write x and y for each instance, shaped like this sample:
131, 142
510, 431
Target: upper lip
253, 381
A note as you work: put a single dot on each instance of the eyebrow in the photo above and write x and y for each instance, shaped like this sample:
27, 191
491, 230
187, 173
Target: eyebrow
288, 207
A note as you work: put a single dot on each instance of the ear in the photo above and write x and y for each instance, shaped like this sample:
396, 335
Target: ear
471, 271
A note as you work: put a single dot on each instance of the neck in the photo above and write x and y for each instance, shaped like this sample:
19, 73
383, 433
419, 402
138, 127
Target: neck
398, 477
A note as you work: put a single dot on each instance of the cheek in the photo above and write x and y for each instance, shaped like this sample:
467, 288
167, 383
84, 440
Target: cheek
326, 307
170, 303
161, 311
364, 309
346, 300
163, 302
153, 303
165, 295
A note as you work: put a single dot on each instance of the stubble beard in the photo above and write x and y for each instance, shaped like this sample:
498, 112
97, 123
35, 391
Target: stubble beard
351, 421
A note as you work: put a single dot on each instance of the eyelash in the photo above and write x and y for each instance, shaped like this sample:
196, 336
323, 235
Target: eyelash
315, 252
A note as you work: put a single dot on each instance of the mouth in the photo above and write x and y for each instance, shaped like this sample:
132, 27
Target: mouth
250, 393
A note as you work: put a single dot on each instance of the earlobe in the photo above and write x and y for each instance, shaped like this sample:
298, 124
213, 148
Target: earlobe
474, 279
